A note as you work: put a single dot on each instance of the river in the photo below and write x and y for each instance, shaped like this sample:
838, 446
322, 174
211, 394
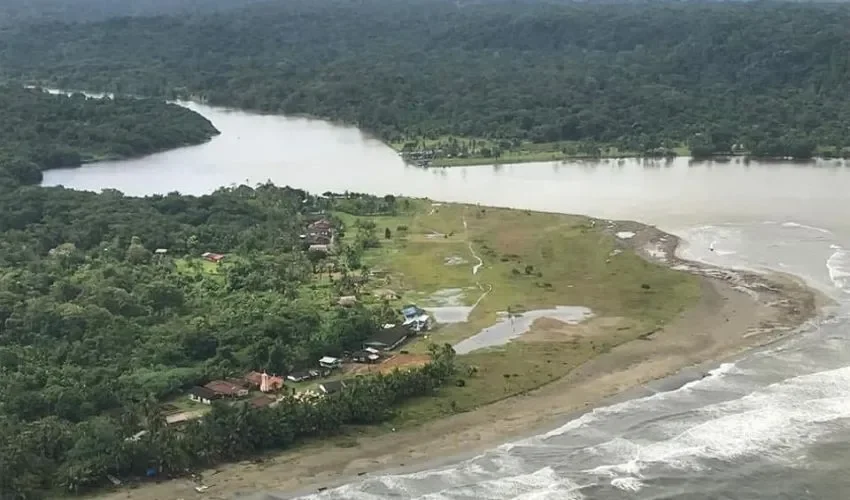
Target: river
773, 424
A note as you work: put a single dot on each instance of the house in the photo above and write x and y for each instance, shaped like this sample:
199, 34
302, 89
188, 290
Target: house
365, 356
227, 389
213, 257
317, 239
347, 301
161, 251
299, 376
329, 362
321, 227
419, 323
202, 395
332, 387
264, 382
319, 248
388, 338
411, 311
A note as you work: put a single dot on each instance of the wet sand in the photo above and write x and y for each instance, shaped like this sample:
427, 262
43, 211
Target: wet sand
737, 311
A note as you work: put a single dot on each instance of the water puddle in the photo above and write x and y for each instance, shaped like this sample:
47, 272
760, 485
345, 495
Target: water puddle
450, 314
448, 306
512, 326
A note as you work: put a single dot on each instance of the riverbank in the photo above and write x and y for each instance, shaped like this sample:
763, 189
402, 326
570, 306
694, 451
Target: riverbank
736, 311
450, 151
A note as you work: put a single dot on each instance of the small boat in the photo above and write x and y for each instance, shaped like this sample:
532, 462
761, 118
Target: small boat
711, 247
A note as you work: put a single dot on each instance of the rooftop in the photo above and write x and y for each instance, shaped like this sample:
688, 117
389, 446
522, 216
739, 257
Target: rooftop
203, 392
388, 337
332, 386
223, 387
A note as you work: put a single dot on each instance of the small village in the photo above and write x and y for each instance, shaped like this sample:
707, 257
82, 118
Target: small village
379, 353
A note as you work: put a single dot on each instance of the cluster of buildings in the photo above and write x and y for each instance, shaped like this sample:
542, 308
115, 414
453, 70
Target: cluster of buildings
259, 388
239, 389
319, 236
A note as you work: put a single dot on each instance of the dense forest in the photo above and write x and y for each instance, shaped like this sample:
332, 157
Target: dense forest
40, 131
768, 78
34, 11
97, 329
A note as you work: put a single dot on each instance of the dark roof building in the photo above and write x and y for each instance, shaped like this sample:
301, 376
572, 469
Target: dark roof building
203, 393
318, 239
332, 387
365, 357
299, 376
388, 338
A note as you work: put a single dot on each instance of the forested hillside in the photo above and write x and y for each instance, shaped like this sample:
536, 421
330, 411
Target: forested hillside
39, 131
772, 77
34, 11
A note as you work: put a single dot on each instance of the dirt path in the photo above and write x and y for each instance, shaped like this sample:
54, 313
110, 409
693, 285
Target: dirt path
476, 267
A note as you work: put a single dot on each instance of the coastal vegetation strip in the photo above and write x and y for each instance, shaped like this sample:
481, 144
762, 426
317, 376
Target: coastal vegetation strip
41, 131
769, 78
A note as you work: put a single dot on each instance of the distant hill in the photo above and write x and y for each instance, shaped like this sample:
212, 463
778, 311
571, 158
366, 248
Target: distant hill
29, 11
773, 77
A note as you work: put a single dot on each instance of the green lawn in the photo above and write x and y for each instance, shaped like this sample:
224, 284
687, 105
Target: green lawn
189, 265
531, 261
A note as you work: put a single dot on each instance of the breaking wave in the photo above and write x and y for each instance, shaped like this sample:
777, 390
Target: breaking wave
838, 266
804, 226
779, 419
596, 414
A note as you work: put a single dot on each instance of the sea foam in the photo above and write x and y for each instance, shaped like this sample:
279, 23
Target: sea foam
773, 423
838, 266
804, 226
625, 406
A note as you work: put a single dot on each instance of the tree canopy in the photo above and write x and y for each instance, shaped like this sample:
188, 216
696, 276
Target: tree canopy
770, 77
107, 309
40, 130
34, 11
97, 328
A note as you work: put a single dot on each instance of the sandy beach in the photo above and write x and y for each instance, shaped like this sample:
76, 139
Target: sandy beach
737, 311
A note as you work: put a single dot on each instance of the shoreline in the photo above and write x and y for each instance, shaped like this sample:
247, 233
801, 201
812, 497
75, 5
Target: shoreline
497, 162
529, 157
738, 311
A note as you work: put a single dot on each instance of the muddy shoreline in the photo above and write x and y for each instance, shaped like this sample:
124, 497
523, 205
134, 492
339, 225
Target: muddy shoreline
738, 311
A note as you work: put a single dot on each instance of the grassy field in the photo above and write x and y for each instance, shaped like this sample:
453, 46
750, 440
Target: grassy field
530, 261
198, 265
524, 152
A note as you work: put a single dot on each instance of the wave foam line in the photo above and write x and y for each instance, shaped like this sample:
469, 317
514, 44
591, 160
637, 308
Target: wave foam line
626, 406
770, 423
